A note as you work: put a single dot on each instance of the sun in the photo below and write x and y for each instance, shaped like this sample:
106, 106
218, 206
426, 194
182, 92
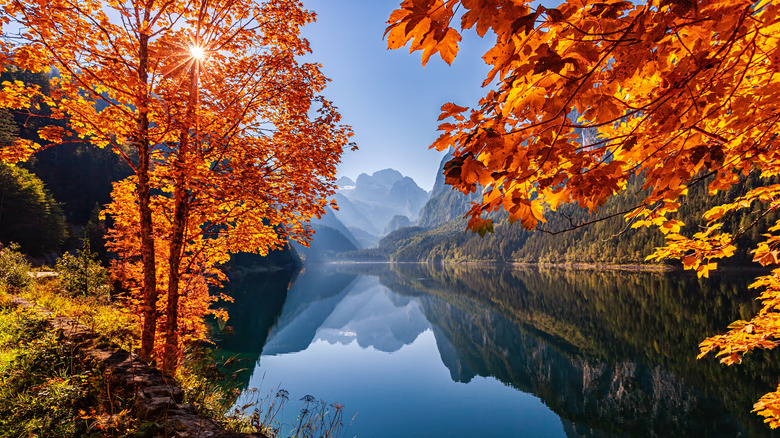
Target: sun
197, 52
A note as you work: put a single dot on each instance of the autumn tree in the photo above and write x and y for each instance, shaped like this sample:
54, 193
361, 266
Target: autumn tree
235, 149
97, 61
677, 92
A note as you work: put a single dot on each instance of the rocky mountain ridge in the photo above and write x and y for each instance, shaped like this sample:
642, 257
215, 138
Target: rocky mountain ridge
371, 202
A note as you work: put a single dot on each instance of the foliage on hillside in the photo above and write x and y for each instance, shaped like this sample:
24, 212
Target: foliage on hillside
80, 177
29, 215
609, 241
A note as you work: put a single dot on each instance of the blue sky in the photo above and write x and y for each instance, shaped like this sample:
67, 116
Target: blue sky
389, 99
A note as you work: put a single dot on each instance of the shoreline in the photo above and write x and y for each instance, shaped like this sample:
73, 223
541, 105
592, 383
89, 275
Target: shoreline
600, 266
632, 267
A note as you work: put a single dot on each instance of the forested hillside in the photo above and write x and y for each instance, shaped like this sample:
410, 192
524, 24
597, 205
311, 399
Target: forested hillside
72, 180
609, 241
29, 216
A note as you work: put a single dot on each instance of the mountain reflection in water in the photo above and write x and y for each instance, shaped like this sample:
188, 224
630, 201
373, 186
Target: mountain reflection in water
417, 350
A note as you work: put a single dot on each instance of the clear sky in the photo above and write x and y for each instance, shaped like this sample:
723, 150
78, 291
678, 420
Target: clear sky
389, 99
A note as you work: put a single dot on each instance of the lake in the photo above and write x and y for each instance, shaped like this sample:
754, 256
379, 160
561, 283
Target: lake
415, 350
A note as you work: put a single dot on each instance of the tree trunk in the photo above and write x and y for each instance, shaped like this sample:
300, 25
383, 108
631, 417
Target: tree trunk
149, 308
170, 357
171, 352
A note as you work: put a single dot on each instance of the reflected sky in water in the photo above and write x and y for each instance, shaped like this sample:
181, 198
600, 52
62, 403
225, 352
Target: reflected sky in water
426, 352
408, 392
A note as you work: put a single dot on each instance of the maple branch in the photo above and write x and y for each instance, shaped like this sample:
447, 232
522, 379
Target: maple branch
106, 33
629, 224
598, 34
742, 231
714, 137
163, 9
585, 224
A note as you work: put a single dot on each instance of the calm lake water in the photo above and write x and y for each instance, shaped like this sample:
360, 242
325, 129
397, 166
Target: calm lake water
422, 351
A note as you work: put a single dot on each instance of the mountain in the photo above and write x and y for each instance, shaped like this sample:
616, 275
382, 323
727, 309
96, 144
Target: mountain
366, 239
345, 183
330, 220
358, 214
369, 204
407, 197
397, 222
327, 241
445, 203
330, 237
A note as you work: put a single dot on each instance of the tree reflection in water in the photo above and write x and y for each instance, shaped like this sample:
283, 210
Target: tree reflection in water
612, 353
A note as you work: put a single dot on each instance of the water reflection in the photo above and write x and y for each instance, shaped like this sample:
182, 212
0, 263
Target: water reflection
459, 351
363, 311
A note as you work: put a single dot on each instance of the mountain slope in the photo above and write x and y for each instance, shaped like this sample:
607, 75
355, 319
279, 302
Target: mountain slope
329, 219
445, 203
371, 202
330, 237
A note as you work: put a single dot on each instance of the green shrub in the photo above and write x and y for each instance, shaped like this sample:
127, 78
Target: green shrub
82, 274
14, 268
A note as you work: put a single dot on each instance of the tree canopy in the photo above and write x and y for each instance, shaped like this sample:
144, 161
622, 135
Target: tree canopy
585, 96
233, 147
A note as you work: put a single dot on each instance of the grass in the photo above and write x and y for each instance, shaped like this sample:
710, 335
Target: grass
41, 397
113, 324
46, 388
46, 391
213, 387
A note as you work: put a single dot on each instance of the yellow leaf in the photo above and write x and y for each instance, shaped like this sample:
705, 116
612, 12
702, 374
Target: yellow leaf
691, 262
